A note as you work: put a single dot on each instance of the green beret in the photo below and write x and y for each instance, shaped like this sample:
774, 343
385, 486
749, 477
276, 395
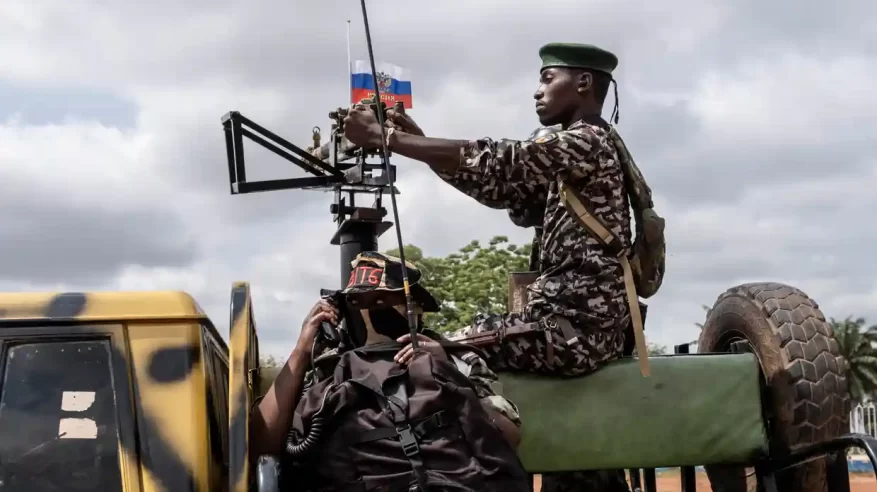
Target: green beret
577, 56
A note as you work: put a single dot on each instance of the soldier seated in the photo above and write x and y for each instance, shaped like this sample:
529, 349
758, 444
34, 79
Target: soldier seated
377, 414
576, 186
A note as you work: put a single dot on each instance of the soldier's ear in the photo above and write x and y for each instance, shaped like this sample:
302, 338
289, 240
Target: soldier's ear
585, 82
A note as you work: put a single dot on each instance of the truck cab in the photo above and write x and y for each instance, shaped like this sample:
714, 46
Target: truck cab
112, 391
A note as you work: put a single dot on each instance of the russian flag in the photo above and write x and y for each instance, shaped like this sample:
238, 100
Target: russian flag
394, 82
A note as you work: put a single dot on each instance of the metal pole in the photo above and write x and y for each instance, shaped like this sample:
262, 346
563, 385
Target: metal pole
349, 67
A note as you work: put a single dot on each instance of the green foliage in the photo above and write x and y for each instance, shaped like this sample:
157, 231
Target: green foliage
269, 361
655, 349
858, 345
470, 281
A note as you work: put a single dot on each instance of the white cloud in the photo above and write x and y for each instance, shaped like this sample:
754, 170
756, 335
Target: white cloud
789, 99
755, 139
90, 190
45, 157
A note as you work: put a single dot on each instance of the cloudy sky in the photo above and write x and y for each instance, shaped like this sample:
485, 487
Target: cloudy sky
754, 123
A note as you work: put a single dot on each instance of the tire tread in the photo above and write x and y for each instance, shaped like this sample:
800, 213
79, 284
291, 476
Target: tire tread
813, 366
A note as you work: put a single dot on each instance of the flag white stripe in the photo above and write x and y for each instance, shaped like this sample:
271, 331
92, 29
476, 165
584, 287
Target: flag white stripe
394, 71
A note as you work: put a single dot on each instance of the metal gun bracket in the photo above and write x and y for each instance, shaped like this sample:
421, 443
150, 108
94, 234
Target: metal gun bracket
328, 174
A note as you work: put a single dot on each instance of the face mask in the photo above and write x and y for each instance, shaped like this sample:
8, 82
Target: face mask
356, 330
388, 322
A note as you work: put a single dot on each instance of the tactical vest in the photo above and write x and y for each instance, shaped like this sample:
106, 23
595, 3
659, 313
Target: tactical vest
391, 428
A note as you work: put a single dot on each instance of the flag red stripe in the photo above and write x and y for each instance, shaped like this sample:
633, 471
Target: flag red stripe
389, 99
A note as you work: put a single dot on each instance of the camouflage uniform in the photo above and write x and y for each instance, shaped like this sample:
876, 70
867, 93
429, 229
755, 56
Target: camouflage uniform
579, 279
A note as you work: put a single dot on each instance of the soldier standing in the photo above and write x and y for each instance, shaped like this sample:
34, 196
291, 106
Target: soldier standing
574, 182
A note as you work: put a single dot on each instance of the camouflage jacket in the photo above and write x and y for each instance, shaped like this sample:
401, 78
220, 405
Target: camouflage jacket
578, 278
487, 385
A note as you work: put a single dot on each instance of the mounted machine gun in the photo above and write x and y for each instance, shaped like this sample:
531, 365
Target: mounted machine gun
337, 166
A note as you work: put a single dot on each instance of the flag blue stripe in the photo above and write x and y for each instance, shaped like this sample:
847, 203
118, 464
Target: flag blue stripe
365, 81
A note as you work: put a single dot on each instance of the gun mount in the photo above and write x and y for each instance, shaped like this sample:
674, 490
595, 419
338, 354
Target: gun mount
358, 226
364, 224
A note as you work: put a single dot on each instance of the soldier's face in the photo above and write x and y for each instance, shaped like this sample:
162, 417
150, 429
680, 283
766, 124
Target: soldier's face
561, 94
557, 95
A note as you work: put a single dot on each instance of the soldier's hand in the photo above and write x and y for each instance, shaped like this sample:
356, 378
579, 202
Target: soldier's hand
323, 310
403, 123
361, 127
424, 343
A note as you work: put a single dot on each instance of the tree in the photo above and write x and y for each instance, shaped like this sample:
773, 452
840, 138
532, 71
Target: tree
860, 352
269, 361
470, 281
655, 349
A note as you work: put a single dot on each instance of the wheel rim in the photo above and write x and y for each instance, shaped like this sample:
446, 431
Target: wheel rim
731, 337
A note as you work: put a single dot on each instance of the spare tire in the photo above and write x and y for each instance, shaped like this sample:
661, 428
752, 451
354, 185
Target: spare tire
806, 398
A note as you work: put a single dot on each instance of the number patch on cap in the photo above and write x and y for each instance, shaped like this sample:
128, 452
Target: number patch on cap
365, 276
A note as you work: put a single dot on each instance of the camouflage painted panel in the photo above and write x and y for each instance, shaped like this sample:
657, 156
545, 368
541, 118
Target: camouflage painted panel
96, 306
244, 361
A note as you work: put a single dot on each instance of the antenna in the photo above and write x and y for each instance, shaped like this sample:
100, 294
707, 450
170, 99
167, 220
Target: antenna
409, 304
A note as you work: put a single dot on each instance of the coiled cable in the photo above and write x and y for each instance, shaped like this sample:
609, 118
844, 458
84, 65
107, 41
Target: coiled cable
313, 434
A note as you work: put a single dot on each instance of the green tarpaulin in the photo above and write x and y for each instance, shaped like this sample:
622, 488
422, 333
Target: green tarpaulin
692, 410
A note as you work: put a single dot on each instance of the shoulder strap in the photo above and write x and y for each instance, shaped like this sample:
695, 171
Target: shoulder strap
392, 346
597, 229
396, 392
586, 219
638, 189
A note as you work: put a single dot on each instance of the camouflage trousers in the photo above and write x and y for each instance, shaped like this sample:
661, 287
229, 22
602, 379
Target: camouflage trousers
546, 349
544, 345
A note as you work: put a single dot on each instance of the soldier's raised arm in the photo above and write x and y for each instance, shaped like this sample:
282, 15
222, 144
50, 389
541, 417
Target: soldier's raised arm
497, 173
273, 415
509, 173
